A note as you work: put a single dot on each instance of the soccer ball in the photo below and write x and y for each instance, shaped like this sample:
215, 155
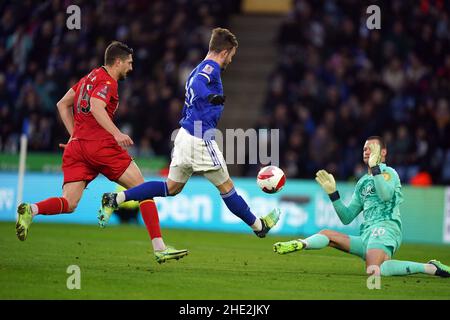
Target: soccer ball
271, 179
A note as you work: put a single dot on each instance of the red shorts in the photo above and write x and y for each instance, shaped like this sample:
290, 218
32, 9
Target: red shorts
83, 160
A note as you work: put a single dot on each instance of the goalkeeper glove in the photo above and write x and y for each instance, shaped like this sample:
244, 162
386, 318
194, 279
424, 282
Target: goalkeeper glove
326, 181
216, 99
375, 154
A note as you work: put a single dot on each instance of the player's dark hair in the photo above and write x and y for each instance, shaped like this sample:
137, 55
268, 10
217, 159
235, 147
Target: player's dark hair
116, 50
380, 140
222, 39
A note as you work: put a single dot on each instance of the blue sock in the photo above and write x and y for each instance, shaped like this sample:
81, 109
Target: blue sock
238, 207
147, 190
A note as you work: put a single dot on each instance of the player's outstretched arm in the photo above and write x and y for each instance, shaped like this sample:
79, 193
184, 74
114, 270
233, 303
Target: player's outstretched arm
99, 112
345, 214
65, 106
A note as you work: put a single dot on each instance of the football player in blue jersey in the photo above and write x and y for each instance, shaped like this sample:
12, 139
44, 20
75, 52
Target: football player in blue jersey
195, 149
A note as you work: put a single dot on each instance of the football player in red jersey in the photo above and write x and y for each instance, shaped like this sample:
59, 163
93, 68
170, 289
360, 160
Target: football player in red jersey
96, 146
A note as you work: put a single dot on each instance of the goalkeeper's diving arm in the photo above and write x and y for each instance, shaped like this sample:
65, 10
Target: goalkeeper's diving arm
345, 213
328, 184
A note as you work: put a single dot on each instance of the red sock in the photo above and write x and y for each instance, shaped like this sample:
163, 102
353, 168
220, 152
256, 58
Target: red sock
52, 206
150, 216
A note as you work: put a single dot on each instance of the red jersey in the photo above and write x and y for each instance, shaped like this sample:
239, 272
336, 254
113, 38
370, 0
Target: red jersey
97, 84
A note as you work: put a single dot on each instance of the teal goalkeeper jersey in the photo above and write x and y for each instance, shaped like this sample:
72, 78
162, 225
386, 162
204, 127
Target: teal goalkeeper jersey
378, 197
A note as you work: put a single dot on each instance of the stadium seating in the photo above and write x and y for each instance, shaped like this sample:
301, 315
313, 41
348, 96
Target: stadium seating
336, 82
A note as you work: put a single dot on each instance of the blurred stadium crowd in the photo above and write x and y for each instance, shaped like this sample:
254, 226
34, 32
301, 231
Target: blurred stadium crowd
40, 59
336, 82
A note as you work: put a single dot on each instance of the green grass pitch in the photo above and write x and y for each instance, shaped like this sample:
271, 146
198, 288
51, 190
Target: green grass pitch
117, 263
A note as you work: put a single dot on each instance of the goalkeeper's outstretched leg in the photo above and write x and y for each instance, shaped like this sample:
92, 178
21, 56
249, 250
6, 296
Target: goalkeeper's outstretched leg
377, 260
317, 241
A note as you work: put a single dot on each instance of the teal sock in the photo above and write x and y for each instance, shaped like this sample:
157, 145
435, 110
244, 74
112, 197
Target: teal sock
316, 241
401, 268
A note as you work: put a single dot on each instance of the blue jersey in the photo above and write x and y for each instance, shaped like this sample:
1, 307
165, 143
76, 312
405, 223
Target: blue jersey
199, 115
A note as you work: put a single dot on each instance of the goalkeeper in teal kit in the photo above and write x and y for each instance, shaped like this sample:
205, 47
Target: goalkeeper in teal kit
378, 196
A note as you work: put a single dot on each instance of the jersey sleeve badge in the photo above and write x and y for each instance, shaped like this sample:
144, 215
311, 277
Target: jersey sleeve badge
103, 93
207, 69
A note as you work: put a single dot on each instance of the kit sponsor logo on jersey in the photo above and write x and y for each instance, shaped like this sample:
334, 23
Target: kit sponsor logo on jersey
367, 190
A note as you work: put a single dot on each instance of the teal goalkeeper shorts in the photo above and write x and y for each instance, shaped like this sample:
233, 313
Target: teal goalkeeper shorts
384, 235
